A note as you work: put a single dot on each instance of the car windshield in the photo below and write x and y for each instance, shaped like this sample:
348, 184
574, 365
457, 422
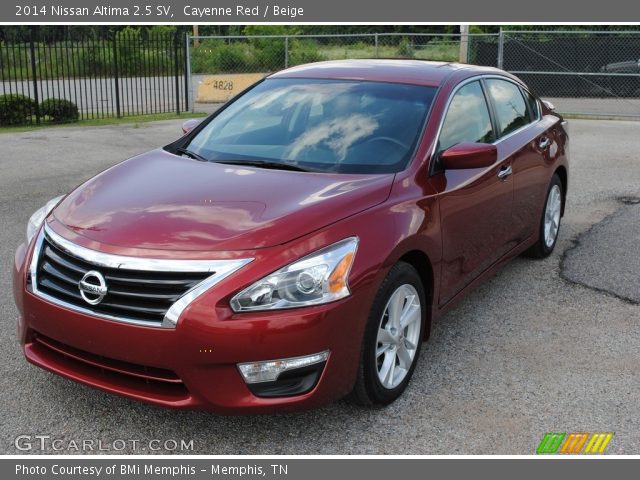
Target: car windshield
319, 125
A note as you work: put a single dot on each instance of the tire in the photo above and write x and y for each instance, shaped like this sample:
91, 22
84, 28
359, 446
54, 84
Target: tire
402, 285
552, 206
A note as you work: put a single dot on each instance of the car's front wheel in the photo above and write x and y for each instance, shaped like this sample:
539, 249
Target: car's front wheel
392, 338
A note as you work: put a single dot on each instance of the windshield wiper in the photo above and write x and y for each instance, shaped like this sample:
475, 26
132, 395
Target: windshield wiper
189, 153
265, 164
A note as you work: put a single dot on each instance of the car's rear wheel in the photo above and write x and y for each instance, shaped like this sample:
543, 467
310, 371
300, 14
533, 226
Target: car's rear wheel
550, 222
392, 338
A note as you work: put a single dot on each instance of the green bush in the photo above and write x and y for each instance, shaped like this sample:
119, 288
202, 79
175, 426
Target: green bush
304, 51
269, 52
405, 49
16, 109
94, 60
254, 55
233, 57
59, 110
217, 56
162, 30
152, 52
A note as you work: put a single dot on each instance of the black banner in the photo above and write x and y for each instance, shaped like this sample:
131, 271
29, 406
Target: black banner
305, 11
316, 469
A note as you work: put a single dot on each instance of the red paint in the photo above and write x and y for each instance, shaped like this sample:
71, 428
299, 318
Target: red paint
469, 155
166, 202
463, 223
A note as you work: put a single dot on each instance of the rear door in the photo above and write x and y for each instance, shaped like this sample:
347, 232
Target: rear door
475, 204
526, 141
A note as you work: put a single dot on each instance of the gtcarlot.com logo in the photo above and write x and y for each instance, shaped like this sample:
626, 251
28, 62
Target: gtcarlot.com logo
573, 443
47, 442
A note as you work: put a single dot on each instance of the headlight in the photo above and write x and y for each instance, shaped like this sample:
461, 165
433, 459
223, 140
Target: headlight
39, 215
317, 278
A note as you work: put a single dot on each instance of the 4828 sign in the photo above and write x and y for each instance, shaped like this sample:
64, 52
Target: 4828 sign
222, 84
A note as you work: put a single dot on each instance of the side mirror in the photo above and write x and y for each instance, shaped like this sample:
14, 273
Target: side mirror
190, 125
469, 155
549, 105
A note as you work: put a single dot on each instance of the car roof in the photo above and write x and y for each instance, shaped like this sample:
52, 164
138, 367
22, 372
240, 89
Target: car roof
417, 72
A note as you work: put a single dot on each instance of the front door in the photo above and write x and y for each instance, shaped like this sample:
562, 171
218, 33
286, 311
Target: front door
475, 204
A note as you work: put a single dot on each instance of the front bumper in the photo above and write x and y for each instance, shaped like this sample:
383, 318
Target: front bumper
195, 364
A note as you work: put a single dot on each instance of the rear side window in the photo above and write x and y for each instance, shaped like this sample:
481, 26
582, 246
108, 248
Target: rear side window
534, 109
467, 119
510, 107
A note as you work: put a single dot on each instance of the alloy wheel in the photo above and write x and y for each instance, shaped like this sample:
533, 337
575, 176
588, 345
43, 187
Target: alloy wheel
552, 216
398, 336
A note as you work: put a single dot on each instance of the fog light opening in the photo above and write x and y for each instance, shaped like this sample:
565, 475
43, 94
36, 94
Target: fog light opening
284, 377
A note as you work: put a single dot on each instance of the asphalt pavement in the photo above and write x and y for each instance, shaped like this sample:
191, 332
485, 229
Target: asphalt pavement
544, 346
606, 257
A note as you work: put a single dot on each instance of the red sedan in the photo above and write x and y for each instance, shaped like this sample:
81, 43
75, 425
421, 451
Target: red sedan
294, 247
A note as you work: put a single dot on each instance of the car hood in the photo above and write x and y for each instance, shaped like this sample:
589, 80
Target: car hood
166, 202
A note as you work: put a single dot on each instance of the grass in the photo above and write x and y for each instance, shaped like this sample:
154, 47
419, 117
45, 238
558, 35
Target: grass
136, 120
599, 116
215, 56
439, 51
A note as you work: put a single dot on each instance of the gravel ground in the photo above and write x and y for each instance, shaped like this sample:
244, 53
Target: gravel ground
531, 351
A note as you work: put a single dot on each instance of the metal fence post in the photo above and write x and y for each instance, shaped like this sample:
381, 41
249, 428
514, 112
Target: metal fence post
115, 73
192, 94
286, 52
376, 45
500, 48
176, 63
186, 72
463, 56
34, 72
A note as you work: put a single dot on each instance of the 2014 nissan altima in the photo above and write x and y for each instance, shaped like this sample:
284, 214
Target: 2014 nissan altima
294, 247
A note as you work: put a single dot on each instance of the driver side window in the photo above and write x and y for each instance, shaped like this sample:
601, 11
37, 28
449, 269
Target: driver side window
467, 119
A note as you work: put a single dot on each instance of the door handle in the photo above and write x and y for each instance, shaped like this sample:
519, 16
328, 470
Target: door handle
543, 143
504, 172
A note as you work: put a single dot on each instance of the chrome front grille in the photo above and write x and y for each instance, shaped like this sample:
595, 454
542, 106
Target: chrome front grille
152, 296
142, 296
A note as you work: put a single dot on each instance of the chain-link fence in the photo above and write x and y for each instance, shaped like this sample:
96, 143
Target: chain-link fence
223, 66
581, 72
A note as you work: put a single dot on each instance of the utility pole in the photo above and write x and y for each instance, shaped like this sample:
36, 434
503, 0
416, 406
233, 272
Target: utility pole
196, 40
464, 44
